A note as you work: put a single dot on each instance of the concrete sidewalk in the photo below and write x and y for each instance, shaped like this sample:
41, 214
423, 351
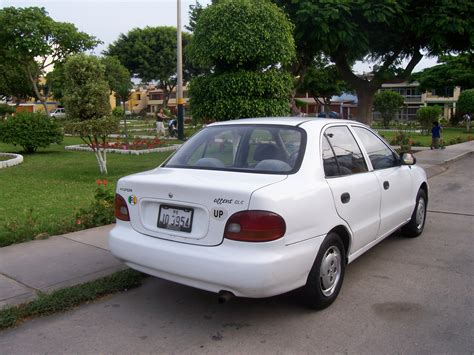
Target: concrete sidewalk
74, 258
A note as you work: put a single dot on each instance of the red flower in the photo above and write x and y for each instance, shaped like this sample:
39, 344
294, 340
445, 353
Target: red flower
78, 221
98, 182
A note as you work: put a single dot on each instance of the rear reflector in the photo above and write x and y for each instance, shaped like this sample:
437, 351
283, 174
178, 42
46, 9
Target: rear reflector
121, 209
255, 226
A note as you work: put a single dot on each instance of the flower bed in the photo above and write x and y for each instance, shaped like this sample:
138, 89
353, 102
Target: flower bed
10, 159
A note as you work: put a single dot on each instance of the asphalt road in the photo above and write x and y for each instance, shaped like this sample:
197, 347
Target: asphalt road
403, 296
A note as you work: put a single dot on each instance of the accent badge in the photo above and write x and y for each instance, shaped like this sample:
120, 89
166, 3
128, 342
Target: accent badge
132, 200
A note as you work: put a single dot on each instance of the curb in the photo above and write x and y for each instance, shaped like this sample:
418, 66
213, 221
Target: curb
15, 160
82, 148
436, 169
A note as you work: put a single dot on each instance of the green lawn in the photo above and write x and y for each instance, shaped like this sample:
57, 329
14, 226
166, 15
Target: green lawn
44, 193
450, 136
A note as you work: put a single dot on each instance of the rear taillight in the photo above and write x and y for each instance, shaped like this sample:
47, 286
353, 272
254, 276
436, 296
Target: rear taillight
255, 226
121, 209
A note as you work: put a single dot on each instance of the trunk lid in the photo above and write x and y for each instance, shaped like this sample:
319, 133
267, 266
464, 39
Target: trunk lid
202, 200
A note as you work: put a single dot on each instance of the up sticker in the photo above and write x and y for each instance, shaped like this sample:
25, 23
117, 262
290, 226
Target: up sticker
219, 214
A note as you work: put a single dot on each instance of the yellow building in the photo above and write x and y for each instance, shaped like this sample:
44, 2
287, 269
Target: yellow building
137, 100
414, 99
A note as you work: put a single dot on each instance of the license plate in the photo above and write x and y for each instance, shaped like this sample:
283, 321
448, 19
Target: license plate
175, 218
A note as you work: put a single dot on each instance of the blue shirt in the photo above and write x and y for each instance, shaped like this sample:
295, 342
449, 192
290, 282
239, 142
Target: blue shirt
436, 132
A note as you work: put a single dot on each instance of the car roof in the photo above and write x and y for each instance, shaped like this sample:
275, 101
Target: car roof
285, 121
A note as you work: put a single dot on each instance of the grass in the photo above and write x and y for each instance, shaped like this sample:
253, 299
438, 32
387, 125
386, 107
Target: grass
42, 195
68, 298
450, 136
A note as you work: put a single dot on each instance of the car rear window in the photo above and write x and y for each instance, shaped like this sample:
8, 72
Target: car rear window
269, 149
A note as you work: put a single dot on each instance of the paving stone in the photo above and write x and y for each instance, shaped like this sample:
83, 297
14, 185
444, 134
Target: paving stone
95, 236
12, 292
55, 263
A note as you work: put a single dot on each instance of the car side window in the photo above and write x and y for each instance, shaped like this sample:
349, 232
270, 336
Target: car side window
329, 160
348, 156
380, 155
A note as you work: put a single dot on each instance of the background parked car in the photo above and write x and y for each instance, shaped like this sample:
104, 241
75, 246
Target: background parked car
331, 114
59, 112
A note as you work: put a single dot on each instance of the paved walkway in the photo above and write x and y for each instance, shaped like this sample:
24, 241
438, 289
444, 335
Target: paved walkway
74, 258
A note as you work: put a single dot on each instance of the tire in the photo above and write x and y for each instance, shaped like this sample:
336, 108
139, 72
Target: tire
415, 227
326, 276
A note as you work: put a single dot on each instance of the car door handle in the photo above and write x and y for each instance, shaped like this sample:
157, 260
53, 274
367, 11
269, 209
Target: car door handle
345, 197
386, 185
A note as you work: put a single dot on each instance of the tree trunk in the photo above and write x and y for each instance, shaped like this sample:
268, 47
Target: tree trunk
34, 83
294, 110
365, 103
101, 160
125, 124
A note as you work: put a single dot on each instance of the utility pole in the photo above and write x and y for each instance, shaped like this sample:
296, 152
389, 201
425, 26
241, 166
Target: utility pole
179, 94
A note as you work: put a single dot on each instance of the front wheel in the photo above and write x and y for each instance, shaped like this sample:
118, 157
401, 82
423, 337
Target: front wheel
415, 227
326, 276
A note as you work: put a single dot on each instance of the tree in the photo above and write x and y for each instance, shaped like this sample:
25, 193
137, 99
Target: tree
465, 103
387, 32
426, 116
34, 41
86, 98
150, 54
388, 103
322, 81
55, 82
14, 84
244, 43
120, 84
194, 13
452, 71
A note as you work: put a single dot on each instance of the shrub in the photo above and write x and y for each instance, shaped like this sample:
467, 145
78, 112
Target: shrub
243, 42
30, 131
4, 109
240, 94
117, 112
388, 103
101, 210
426, 116
465, 104
242, 34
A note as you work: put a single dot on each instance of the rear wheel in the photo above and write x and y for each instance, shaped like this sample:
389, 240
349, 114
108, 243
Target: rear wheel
415, 227
326, 275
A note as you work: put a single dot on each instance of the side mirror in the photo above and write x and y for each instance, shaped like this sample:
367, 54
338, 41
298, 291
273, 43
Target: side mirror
408, 159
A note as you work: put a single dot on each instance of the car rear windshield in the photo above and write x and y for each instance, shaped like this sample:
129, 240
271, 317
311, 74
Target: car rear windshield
268, 149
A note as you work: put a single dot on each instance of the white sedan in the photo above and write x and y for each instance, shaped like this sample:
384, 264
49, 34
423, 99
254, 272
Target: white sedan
259, 207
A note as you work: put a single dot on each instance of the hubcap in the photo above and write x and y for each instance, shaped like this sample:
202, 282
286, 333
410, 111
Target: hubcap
330, 271
420, 213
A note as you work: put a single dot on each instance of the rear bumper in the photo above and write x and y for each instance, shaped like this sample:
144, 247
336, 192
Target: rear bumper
245, 269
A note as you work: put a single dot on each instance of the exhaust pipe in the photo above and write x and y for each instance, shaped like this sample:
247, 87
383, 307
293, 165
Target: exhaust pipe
224, 296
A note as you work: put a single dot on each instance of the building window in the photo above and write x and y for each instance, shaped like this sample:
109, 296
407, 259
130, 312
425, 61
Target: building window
156, 96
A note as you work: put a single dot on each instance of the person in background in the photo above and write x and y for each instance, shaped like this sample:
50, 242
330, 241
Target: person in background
435, 135
467, 121
160, 117
173, 127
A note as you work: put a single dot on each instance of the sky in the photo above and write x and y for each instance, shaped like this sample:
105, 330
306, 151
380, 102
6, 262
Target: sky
107, 19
